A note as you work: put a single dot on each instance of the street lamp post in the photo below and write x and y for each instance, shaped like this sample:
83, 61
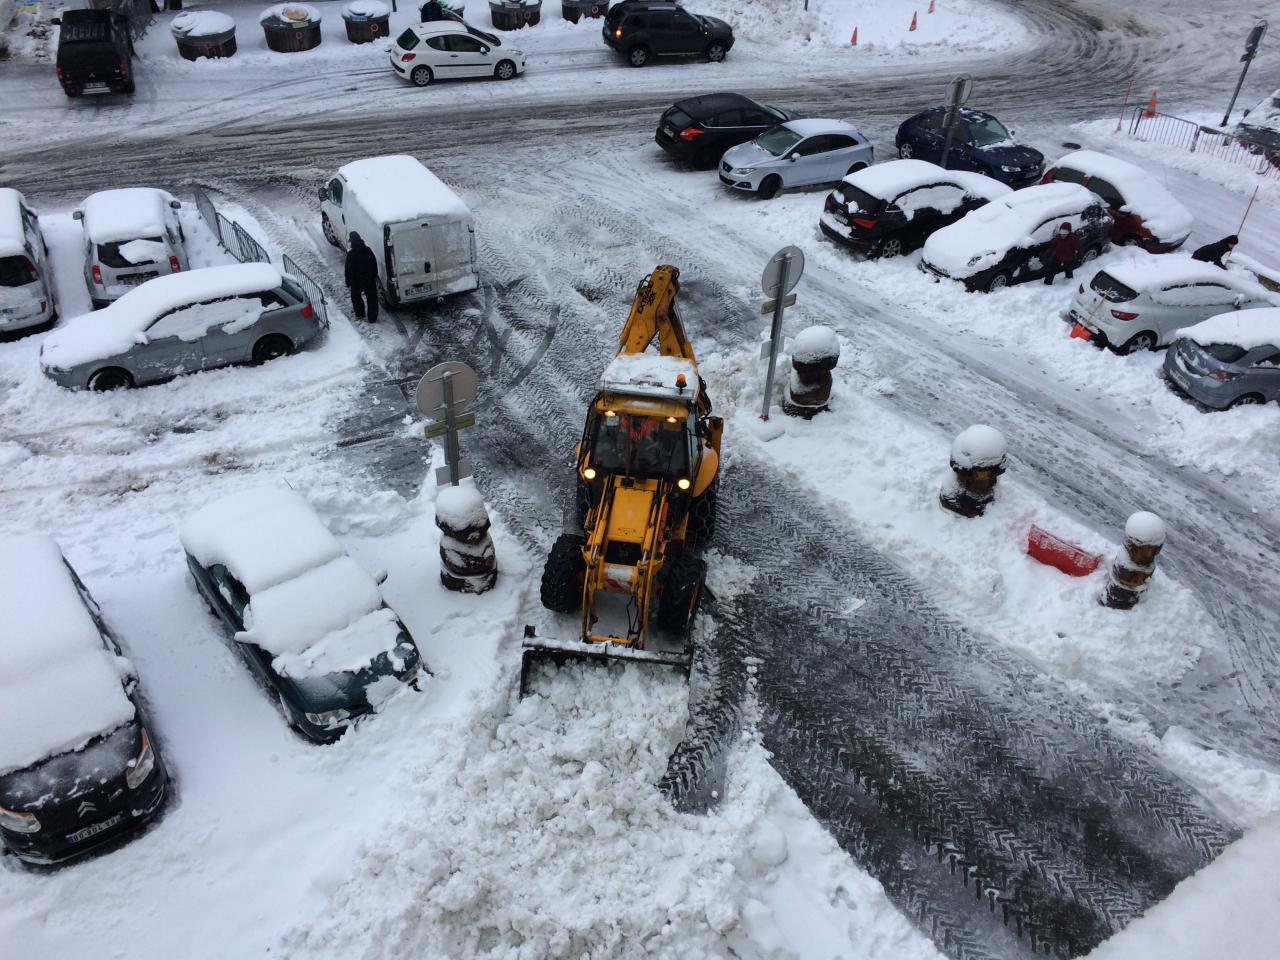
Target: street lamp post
1250, 51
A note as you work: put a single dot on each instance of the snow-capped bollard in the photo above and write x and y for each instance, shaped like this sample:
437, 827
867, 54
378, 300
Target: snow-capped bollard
467, 561
1132, 568
814, 354
977, 460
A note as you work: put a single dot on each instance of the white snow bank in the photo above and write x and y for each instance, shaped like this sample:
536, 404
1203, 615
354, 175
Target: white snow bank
1246, 329
1145, 197
113, 330
1231, 908
815, 343
59, 686
978, 446
299, 13
263, 535
649, 374
461, 508
396, 188
125, 214
1144, 529
201, 23
11, 233
365, 9
886, 180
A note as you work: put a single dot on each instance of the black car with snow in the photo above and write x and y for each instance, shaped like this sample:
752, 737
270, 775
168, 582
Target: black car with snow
95, 52
979, 142
700, 129
78, 766
307, 619
892, 208
1007, 240
643, 29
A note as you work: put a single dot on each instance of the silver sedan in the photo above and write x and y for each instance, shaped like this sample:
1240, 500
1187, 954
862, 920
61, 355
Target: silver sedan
798, 153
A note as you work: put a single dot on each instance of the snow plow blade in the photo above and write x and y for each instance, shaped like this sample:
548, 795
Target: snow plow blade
538, 650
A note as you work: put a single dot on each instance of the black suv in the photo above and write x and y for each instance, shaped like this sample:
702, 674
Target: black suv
642, 29
699, 130
95, 52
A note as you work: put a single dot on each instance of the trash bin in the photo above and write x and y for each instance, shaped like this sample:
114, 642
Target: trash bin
204, 33
514, 14
291, 27
575, 10
366, 20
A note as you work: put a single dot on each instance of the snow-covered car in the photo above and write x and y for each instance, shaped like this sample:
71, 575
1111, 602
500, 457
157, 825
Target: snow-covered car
182, 323
25, 301
1004, 242
798, 153
131, 235
78, 766
1139, 303
1144, 212
979, 142
308, 620
1260, 126
890, 209
449, 50
1229, 360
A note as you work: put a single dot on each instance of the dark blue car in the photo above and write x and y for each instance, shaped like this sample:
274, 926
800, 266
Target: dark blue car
981, 143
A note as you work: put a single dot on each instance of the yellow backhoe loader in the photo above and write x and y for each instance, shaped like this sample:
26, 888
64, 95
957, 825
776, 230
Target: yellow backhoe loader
648, 470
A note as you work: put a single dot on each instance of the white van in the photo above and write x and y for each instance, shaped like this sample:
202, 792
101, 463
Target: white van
24, 267
420, 231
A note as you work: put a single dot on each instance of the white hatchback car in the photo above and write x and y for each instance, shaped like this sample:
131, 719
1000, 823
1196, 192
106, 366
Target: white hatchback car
131, 235
445, 49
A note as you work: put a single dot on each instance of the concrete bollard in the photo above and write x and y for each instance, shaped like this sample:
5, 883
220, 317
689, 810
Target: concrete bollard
1132, 568
467, 561
977, 460
814, 354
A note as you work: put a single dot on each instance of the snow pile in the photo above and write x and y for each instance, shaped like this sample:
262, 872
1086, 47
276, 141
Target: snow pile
978, 446
290, 15
1245, 329
365, 10
461, 508
1144, 529
25, 30
649, 374
815, 343
125, 214
396, 188
1160, 211
59, 686
201, 23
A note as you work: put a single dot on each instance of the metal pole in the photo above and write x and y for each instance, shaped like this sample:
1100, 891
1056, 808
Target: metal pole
1250, 51
776, 333
1124, 106
451, 451
1239, 84
952, 115
1246, 211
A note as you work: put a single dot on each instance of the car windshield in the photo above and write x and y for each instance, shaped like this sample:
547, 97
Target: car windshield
1111, 289
14, 272
641, 446
99, 761
1226, 352
989, 132
778, 140
112, 255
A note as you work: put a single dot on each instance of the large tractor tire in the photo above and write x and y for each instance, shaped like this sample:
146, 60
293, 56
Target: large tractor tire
682, 579
562, 576
702, 515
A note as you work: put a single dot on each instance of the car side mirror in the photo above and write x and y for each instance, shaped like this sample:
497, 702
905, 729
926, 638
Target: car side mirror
792, 157
1013, 132
141, 339
77, 215
324, 193
380, 577
175, 204
484, 49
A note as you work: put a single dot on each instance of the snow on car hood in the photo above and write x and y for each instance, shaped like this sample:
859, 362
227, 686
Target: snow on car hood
748, 154
1246, 329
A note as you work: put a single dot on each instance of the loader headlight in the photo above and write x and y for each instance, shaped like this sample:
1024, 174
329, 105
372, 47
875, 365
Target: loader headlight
589, 473
683, 483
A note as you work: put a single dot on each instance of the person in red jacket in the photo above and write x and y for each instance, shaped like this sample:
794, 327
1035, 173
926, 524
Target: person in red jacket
1064, 254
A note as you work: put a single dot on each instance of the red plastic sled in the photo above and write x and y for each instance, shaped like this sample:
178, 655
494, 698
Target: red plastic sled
1056, 552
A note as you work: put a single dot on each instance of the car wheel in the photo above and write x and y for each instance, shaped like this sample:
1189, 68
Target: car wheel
1248, 400
769, 187
1140, 343
682, 578
421, 76
562, 576
1092, 254
328, 230
387, 300
271, 346
638, 56
110, 378
856, 167
715, 52
997, 282
906, 152
892, 247
505, 70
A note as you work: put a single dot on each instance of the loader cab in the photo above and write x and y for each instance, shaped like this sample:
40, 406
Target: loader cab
642, 440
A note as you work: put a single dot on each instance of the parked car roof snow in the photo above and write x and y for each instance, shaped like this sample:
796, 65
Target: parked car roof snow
886, 180
1160, 211
59, 686
1246, 329
1147, 271
11, 238
125, 214
396, 188
112, 330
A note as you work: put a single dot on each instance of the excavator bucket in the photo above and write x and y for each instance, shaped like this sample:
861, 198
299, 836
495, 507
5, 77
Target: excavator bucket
545, 650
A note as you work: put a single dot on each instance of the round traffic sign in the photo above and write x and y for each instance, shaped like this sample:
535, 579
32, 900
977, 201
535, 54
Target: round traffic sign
772, 280
462, 388
961, 88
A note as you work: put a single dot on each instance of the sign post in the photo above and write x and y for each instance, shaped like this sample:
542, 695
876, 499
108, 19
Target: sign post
1250, 51
781, 274
961, 87
444, 393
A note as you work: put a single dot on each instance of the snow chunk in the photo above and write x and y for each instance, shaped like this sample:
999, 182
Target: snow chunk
396, 188
127, 214
1144, 529
144, 251
201, 23
112, 331
815, 343
60, 686
1246, 329
365, 10
979, 446
768, 845
461, 508
1163, 215
287, 14
650, 375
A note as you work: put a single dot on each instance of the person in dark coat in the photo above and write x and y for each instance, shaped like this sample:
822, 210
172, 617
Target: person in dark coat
431, 11
1215, 253
1064, 254
362, 279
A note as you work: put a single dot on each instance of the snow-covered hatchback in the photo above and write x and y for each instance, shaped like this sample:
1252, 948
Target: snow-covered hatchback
25, 301
131, 235
448, 50
306, 618
78, 767
1230, 360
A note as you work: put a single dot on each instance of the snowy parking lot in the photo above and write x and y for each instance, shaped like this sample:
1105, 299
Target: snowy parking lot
889, 701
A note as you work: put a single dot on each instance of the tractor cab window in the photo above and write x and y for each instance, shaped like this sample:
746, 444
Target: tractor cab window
641, 446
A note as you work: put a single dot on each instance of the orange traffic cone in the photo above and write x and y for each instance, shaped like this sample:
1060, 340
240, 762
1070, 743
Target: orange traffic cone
854, 39
913, 21
1151, 106
930, 6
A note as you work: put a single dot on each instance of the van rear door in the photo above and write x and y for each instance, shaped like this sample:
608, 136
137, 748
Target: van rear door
410, 255
454, 245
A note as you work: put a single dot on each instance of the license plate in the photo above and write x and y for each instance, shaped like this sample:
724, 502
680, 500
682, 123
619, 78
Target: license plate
134, 279
1178, 377
840, 217
669, 131
94, 87
94, 830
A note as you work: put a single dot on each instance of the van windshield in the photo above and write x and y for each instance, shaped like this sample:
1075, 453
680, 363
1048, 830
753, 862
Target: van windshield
102, 760
16, 272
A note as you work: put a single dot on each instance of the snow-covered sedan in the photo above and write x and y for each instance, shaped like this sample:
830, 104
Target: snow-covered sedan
448, 50
798, 153
890, 209
131, 235
308, 620
199, 320
1005, 241
78, 766
1230, 360
1139, 303
1145, 214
